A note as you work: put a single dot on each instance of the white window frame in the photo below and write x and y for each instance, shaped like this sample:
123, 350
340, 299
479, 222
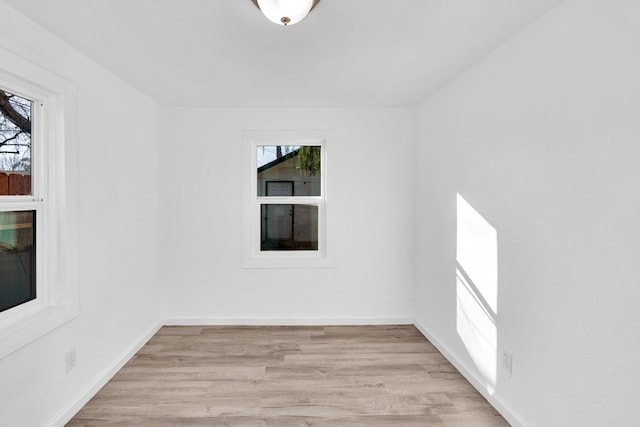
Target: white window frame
253, 256
36, 200
52, 198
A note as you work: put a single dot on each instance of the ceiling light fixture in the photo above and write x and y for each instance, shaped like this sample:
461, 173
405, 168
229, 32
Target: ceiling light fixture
285, 12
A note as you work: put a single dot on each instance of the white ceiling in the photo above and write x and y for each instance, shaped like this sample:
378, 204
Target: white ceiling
225, 53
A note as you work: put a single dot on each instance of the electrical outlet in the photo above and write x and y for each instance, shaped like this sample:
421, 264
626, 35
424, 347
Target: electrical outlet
70, 360
507, 361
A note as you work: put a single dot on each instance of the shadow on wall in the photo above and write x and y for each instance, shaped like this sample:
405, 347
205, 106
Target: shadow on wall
477, 289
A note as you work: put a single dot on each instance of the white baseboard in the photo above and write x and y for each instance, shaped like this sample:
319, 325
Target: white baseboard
72, 408
285, 321
474, 379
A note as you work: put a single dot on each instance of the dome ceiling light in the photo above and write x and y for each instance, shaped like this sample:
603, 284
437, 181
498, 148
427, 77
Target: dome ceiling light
285, 12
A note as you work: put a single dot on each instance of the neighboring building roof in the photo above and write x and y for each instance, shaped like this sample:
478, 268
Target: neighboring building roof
279, 160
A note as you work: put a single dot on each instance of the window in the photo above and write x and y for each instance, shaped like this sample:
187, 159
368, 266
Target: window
38, 290
21, 201
289, 191
286, 213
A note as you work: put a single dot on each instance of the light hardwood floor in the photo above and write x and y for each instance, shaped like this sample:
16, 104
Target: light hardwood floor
288, 376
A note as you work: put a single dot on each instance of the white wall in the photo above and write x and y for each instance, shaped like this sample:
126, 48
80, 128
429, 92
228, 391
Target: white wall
117, 239
371, 231
542, 138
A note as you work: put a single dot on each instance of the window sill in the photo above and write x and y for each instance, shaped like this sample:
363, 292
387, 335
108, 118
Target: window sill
28, 328
268, 263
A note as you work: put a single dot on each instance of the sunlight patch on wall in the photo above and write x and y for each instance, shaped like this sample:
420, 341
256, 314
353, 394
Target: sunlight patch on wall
477, 288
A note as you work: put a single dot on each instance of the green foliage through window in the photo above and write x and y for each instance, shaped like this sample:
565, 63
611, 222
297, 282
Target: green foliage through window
309, 159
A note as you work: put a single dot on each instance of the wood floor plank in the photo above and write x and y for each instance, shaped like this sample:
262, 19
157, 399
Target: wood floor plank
288, 376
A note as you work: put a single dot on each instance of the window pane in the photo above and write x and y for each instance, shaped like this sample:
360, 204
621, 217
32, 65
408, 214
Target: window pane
294, 164
15, 145
17, 258
289, 228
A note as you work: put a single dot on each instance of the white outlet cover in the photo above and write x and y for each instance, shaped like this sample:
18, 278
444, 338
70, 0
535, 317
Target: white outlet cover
70, 360
507, 362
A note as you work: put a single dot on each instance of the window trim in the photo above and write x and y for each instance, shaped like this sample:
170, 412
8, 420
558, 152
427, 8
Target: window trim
53, 194
253, 256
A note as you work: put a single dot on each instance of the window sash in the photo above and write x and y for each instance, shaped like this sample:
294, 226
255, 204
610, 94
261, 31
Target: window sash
308, 253
38, 124
41, 289
36, 200
318, 201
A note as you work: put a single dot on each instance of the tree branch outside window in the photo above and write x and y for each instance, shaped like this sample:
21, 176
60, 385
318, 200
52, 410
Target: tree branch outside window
15, 133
